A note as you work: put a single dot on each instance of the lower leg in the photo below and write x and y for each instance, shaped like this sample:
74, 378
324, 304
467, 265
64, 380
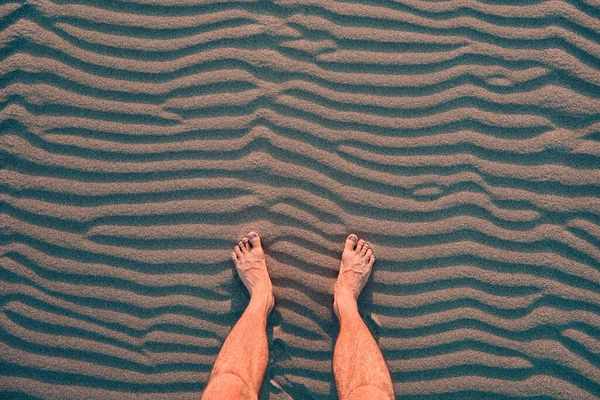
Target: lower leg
242, 361
358, 365
241, 364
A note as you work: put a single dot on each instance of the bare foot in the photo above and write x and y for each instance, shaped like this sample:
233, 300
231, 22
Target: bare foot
355, 268
251, 266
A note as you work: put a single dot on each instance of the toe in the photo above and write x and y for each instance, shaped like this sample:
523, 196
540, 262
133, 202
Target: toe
234, 257
371, 260
350, 242
246, 242
237, 251
241, 246
360, 245
254, 239
368, 253
364, 249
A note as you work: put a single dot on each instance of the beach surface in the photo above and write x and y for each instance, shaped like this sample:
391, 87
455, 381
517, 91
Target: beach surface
141, 139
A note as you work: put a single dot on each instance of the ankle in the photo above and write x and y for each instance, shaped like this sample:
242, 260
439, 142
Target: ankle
345, 304
344, 295
262, 300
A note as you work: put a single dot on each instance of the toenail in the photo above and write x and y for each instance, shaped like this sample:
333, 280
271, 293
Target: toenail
353, 238
251, 236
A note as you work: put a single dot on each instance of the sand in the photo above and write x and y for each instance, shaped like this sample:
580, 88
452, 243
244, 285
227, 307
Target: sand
141, 139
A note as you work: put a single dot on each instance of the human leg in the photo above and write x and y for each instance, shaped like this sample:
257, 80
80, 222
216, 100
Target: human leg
358, 366
241, 364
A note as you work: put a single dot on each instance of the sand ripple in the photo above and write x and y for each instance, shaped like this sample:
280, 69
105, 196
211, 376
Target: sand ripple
141, 138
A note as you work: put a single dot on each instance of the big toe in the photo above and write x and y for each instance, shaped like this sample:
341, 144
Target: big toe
254, 239
351, 242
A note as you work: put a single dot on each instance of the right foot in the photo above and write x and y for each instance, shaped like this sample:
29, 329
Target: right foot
355, 268
251, 266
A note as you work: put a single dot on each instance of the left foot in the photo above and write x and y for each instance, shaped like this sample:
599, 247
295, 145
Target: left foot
251, 266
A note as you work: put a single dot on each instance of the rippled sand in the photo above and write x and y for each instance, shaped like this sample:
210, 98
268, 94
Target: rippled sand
141, 139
